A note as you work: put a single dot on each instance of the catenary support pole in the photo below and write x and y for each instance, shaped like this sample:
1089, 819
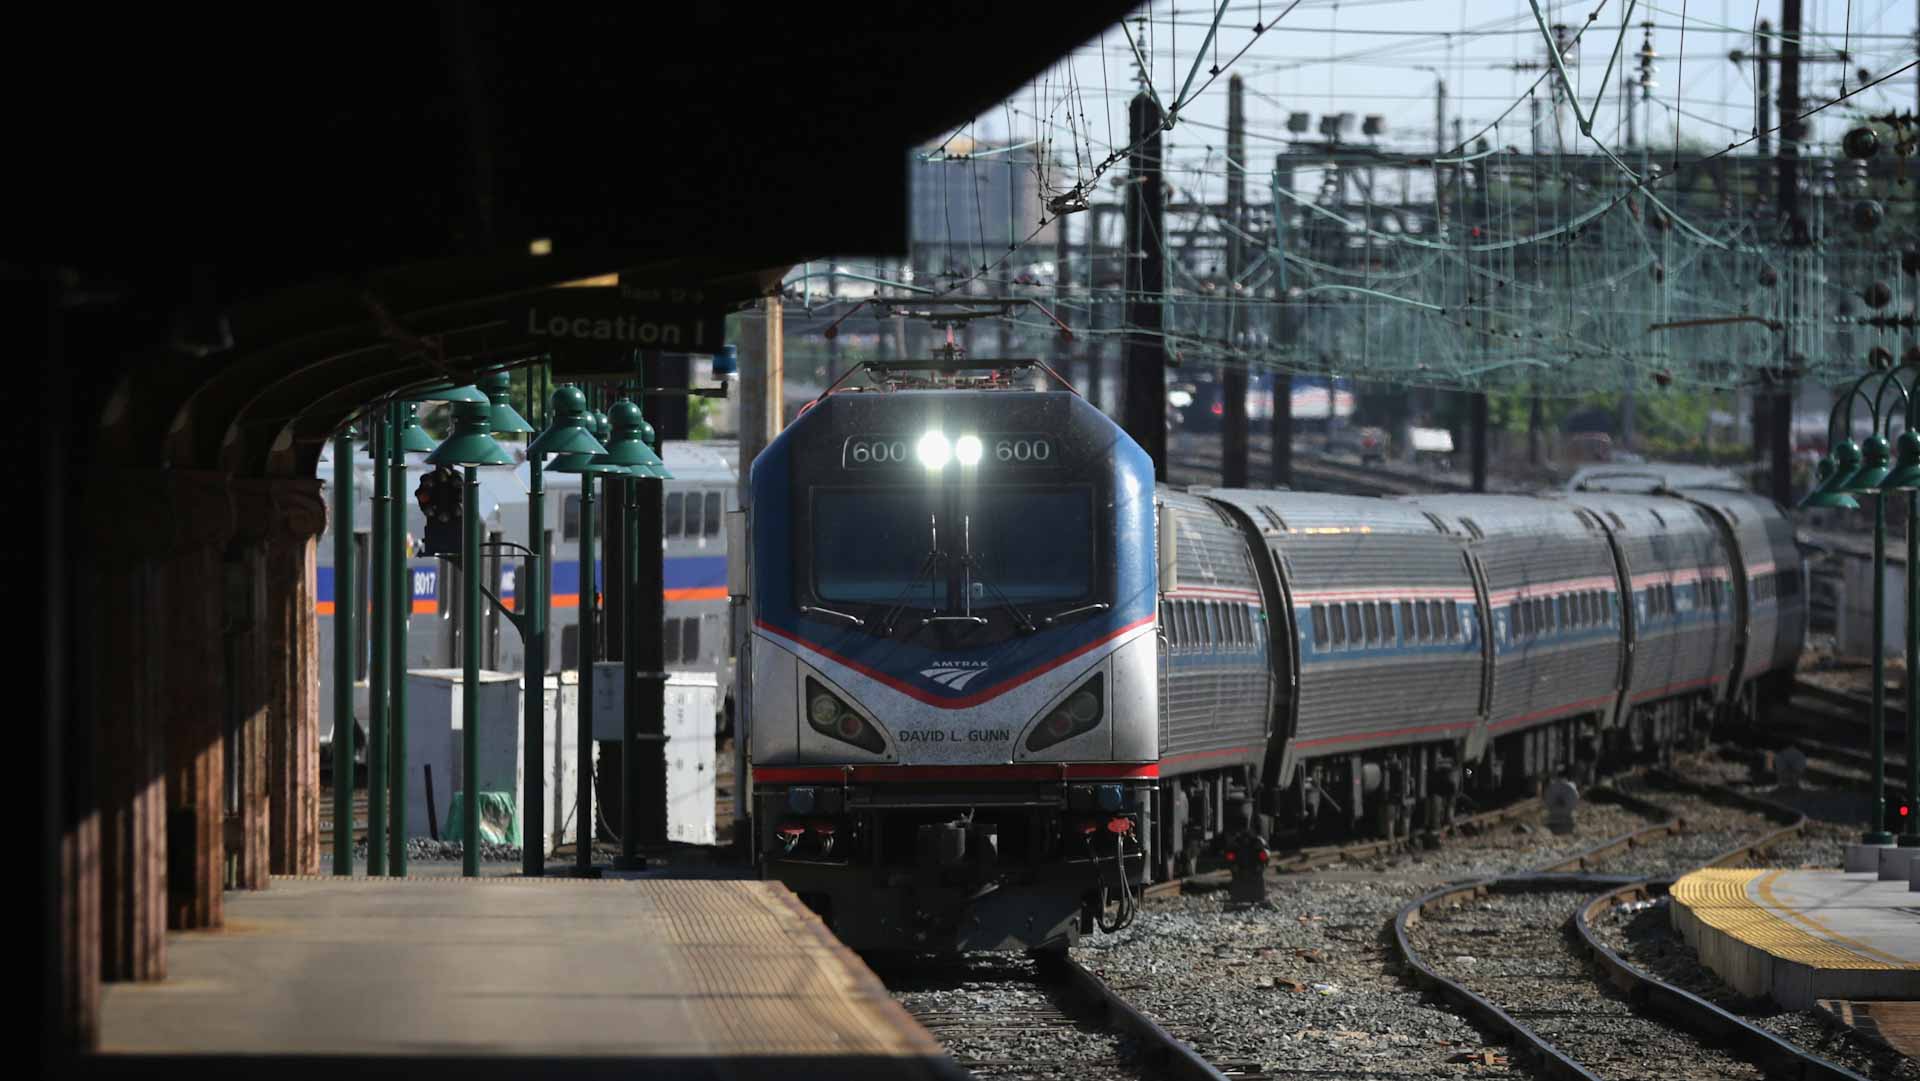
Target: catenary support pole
1144, 392
345, 609
400, 616
380, 596
470, 677
1787, 165
1233, 379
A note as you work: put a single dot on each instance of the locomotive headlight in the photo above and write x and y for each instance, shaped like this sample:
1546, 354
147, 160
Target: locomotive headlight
934, 450
822, 710
967, 450
1079, 713
835, 719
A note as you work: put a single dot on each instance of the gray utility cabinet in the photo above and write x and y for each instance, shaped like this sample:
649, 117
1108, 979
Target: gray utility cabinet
693, 700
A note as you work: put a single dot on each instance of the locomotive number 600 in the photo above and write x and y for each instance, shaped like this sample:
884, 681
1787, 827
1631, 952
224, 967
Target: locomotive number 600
1022, 450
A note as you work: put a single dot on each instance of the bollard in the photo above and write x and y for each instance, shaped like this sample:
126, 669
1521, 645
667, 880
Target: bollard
1248, 856
1561, 798
1790, 767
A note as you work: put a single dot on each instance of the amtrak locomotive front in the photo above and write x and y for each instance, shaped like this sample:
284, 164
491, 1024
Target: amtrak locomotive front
954, 665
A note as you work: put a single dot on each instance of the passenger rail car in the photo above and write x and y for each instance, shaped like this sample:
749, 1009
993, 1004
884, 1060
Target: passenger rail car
1000, 681
695, 634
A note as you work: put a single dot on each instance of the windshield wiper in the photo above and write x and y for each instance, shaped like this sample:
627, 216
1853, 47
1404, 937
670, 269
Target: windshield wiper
816, 610
1097, 606
1020, 618
934, 559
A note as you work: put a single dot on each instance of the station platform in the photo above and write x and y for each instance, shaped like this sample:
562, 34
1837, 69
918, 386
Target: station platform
515, 977
1801, 936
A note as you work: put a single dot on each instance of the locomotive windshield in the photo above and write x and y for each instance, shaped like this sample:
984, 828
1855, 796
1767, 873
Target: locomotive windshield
1029, 545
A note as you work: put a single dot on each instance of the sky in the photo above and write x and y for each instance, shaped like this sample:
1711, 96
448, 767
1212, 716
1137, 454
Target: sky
1385, 57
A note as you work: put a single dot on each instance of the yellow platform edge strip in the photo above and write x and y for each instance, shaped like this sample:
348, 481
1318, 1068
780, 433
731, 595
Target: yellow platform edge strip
1718, 898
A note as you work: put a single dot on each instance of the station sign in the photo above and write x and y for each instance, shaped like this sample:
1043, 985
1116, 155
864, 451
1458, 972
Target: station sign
612, 316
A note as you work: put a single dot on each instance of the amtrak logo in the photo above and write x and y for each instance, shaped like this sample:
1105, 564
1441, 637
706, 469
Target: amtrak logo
955, 675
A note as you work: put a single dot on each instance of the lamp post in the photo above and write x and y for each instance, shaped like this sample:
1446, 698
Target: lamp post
643, 657
471, 445
570, 432
379, 626
1869, 470
409, 438
589, 468
1906, 476
345, 612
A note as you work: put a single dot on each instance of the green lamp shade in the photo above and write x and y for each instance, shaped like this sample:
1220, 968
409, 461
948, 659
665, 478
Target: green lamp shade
1820, 495
455, 395
570, 431
1846, 462
471, 442
1906, 469
498, 388
628, 447
413, 438
591, 464
1875, 464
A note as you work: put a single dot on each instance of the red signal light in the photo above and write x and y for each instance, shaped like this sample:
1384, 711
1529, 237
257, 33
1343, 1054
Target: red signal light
1903, 810
1231, 856
1263, 856
1218, 409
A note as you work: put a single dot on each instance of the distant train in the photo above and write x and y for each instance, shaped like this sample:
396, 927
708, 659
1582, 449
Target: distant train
1001, 680
695, 634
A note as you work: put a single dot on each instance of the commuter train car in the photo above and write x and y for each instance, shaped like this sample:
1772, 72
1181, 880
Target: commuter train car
1000, 682
694, 634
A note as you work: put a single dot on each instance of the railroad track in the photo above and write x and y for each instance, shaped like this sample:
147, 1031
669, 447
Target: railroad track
1517, 953
1849, 709
1039, 1018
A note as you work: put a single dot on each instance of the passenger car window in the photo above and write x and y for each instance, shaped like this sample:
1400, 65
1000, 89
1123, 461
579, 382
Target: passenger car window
693, 514
1373, 624
712, 524
1353, 623
1425, 621
1453, 621
1406, 621
676, 513
570, 518
670, 641
1339, 627
690, 640
1320, 625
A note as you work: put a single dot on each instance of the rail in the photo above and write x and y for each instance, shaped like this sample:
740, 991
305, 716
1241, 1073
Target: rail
1687, 1011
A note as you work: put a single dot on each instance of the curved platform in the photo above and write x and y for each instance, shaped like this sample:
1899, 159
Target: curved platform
515, 977
1799, 936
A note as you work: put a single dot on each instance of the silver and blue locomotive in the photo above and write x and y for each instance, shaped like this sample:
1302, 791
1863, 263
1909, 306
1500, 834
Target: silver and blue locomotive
1000, 681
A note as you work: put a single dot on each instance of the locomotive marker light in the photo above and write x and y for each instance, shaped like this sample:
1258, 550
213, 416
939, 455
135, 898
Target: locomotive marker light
471, 445
568, 432
589, 467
